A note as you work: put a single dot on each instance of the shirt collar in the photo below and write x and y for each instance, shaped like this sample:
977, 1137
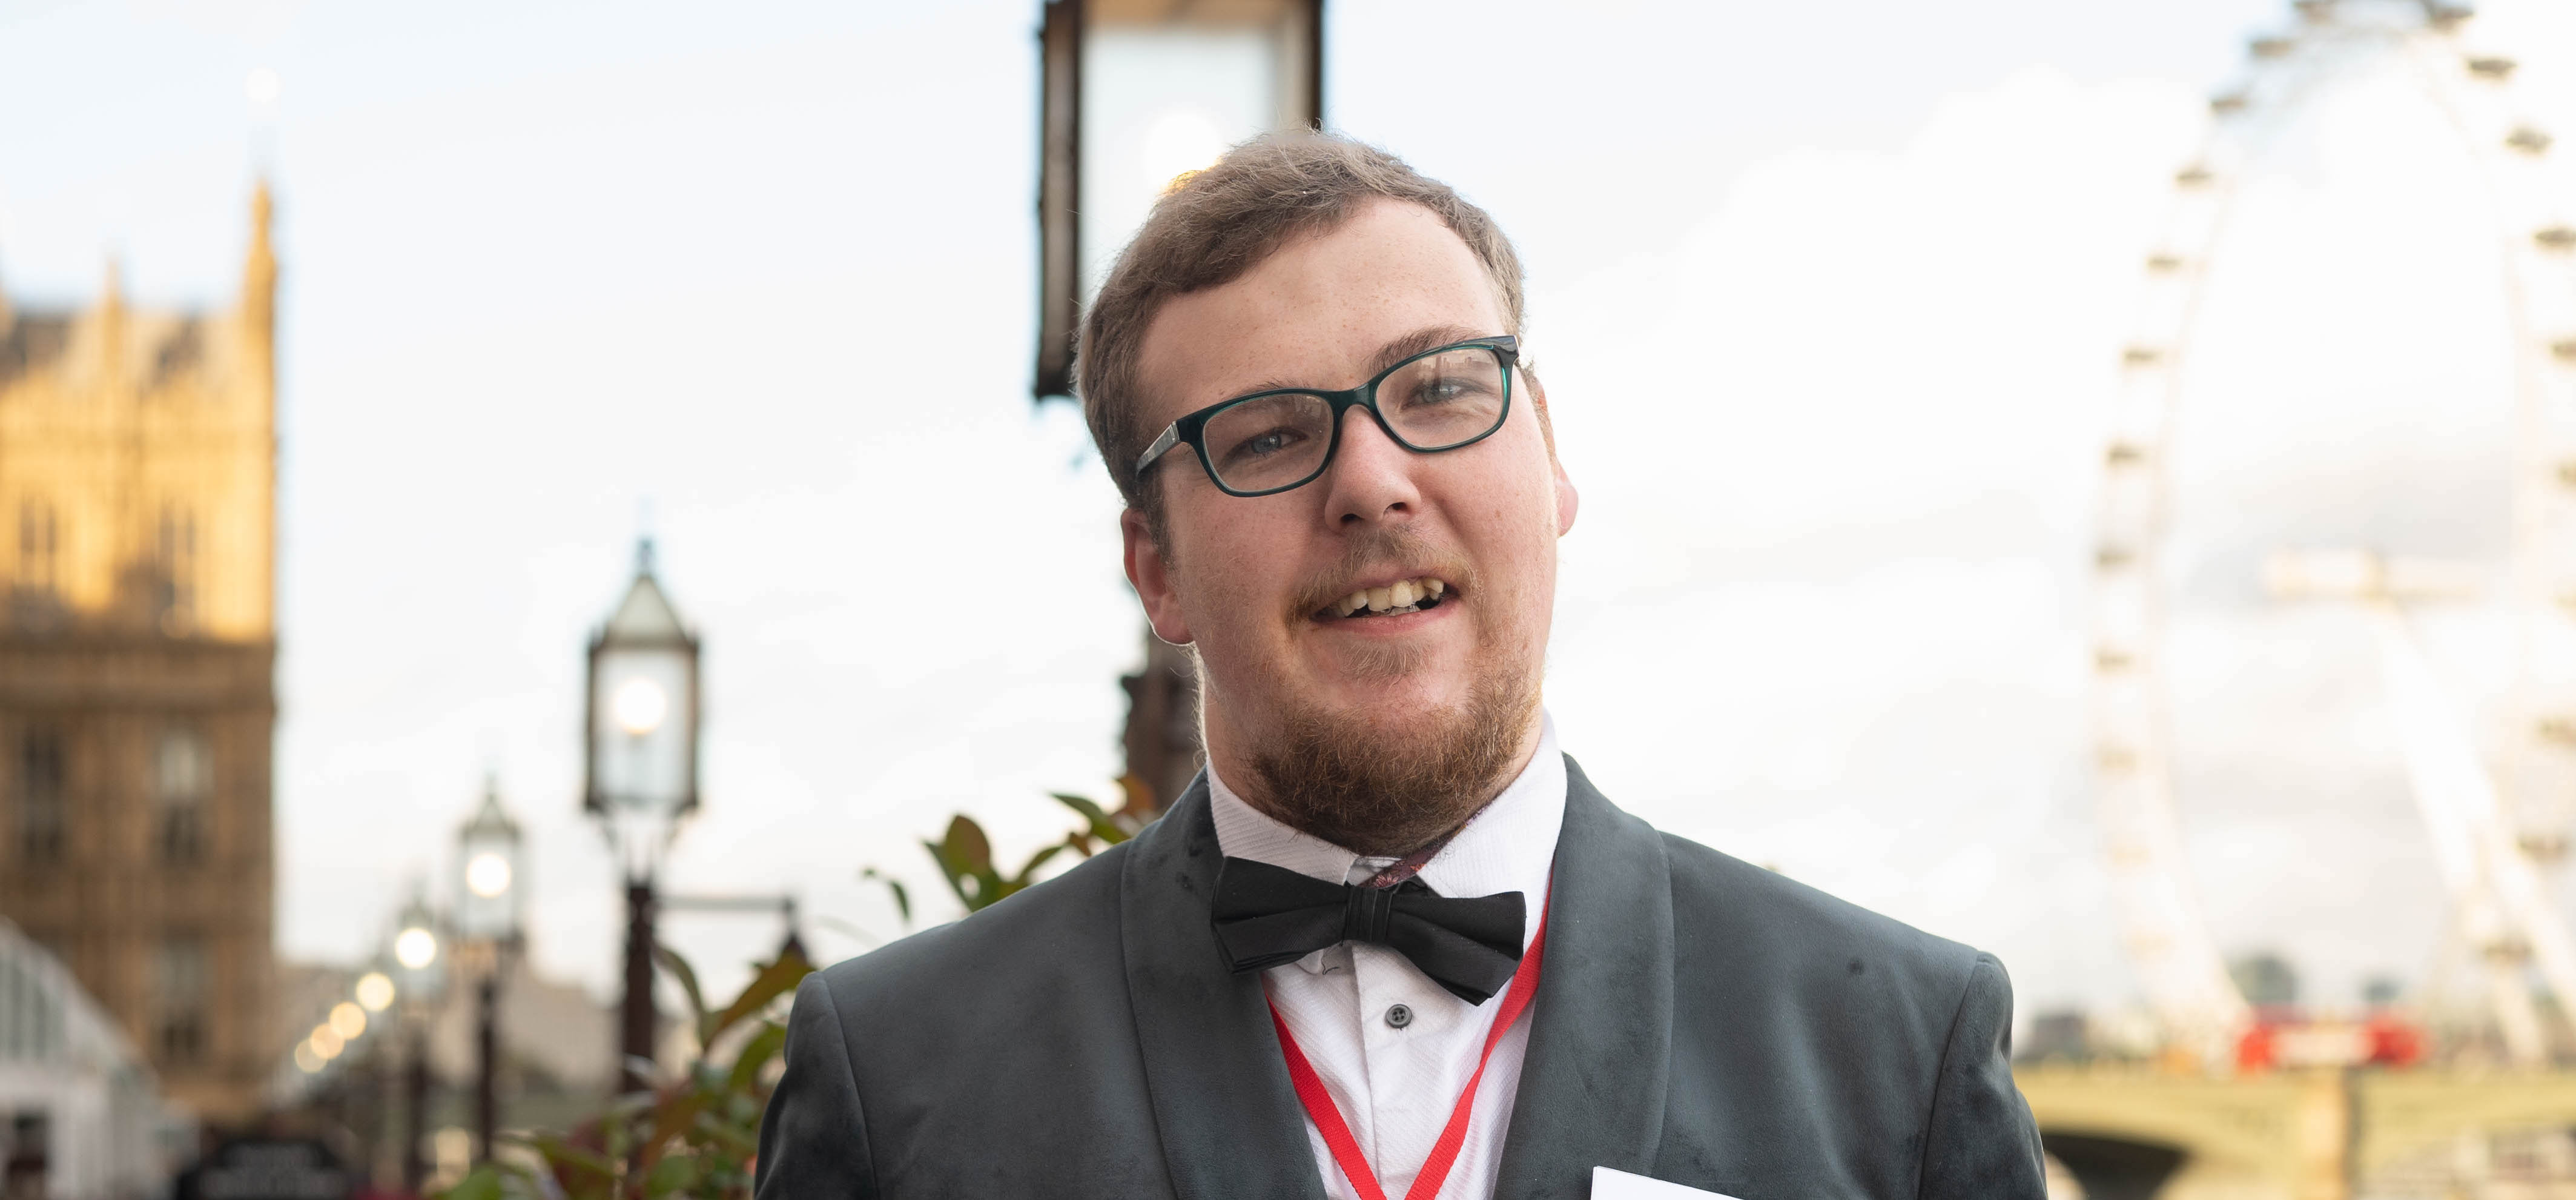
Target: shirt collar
1508, 847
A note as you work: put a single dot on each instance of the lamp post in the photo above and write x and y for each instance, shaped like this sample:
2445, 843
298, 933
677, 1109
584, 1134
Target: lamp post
1134, 93
490, 906
419, 980
374, 993
641, 754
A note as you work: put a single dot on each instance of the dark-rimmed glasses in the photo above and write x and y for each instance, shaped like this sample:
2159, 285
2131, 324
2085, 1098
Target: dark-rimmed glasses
1268, 442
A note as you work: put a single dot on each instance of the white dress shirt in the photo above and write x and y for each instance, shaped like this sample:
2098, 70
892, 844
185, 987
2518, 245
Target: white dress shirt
1396, 1085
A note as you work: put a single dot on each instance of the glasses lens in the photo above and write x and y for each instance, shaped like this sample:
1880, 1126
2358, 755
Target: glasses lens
1269, 441
1446, 399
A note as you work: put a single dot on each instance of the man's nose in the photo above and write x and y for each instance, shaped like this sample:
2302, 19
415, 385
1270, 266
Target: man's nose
1372, 475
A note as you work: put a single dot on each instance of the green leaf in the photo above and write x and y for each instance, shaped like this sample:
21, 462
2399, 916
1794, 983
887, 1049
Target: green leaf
672, 1176
902, 898
775, 980
670, 1118
966, 849
1039, 859
1141, 804
572, 1165
958, 881
1097, 825
756, 1054
724, 1135
688, 977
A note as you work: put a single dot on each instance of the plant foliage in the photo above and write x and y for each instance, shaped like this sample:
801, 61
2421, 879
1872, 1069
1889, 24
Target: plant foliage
965, 855
694, 1136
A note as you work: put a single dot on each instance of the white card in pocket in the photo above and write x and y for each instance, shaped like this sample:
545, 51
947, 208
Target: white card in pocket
1620, 1185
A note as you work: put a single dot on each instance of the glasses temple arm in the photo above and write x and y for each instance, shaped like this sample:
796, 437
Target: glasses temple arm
1162, 445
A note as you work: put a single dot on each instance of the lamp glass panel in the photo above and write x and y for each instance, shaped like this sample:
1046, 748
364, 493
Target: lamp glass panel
640, 728
490, 885
420, 964
1159, 100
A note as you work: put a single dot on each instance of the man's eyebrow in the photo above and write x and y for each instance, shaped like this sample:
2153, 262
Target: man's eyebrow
1418, 341
1387, 356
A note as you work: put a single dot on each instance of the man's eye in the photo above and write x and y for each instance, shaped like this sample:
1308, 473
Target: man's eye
1447, 389
1265, 444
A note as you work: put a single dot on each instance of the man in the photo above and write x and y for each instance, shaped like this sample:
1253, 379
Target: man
1392, 943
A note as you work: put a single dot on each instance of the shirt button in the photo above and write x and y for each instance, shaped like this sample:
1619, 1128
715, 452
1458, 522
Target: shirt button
1399, 1016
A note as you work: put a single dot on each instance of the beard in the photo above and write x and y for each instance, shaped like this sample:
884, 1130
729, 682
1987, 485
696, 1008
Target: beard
1385, 791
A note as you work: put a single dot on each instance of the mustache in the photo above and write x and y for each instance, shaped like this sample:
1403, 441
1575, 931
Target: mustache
1379, 549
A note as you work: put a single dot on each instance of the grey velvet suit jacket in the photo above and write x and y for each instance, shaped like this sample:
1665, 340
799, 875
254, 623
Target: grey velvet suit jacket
1699, 1020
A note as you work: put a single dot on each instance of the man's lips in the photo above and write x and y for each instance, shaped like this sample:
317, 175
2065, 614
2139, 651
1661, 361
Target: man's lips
1393, 597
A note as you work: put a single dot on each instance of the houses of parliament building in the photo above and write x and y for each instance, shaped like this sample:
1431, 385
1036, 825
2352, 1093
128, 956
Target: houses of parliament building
137, 654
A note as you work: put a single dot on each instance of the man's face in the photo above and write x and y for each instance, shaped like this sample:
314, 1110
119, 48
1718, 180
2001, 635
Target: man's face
1255, 582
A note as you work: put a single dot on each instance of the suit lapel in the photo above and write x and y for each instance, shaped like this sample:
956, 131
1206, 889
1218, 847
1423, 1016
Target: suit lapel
1592, 1089
1230, 1122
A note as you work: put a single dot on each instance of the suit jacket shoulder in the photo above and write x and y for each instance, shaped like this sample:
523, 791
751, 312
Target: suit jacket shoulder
1813, 943
1003, 1020
1883, 1050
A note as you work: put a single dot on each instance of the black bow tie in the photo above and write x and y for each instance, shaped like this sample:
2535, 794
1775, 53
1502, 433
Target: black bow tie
1268, 915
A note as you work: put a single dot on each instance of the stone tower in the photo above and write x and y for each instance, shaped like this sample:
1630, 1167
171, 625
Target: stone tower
138, 453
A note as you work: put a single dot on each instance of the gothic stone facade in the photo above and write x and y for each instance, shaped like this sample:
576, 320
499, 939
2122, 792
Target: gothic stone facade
137, 643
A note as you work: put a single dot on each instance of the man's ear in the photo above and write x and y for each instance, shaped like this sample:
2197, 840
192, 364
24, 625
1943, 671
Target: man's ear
1151, 576
1567, 502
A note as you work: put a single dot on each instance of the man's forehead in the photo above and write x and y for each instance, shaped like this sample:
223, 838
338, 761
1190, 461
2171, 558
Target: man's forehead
1323, 311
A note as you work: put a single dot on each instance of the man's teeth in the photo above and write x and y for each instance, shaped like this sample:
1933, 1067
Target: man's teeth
1400, 596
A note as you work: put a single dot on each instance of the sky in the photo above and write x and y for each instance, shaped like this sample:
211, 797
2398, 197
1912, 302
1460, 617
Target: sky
1829, 298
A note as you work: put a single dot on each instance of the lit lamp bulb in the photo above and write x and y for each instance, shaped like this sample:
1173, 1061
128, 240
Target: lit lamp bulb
348, 1020
415, 948
375, 991
639, 707
487, 875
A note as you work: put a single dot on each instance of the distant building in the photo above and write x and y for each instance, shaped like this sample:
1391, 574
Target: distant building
137, 651
79, 1117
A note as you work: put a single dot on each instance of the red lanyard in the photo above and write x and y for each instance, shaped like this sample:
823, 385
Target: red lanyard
1444, 1153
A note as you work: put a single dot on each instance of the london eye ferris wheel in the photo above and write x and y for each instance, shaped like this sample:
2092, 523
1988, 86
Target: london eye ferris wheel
2493, 778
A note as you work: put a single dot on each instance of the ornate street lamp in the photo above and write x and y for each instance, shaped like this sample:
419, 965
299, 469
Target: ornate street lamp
641, 750
490, 906
1134, 94
420, 980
